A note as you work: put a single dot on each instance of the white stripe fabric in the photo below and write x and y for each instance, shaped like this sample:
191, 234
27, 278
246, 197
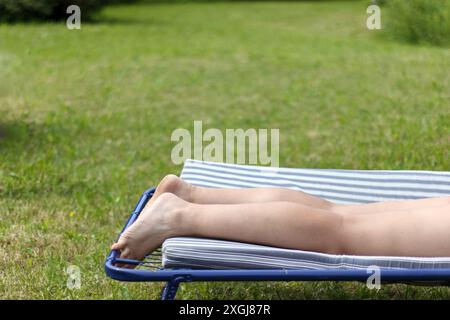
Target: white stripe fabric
340, 186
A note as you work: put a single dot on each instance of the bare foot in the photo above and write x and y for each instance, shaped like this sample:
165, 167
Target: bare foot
156, 223
172, 184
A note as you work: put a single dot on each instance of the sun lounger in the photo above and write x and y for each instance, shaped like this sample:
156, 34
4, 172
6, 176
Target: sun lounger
186, 259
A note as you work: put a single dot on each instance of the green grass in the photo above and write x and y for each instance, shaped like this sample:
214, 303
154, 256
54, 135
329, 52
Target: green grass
86, 118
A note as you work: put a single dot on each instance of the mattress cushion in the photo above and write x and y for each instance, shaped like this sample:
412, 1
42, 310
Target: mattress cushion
341, 186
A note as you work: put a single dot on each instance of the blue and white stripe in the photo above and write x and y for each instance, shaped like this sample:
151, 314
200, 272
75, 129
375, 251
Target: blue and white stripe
341, 186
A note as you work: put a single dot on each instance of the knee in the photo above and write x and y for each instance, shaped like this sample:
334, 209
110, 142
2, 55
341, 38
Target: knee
341, 242
351, 238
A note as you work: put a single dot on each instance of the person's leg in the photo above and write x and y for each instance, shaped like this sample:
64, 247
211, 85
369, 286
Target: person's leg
412, 232
281, 224
420, 232
400, 205
201, 195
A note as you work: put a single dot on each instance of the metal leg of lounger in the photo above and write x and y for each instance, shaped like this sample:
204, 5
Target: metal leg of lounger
170, 289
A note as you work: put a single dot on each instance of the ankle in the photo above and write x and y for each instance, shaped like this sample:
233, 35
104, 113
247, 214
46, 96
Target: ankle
192, 192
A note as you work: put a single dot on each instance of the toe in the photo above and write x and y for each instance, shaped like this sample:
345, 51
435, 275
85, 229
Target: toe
128, 254
121, 243
116, 246
125, 253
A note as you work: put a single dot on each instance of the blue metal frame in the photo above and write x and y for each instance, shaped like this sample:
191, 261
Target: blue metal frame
174, 277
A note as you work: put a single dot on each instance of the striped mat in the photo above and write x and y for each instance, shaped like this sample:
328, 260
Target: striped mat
340, 186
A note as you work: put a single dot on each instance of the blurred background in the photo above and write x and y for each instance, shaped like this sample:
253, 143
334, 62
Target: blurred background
86, 117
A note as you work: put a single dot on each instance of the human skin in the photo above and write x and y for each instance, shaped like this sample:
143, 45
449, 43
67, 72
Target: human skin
289, 219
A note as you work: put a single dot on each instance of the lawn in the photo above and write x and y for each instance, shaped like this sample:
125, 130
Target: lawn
86, 117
